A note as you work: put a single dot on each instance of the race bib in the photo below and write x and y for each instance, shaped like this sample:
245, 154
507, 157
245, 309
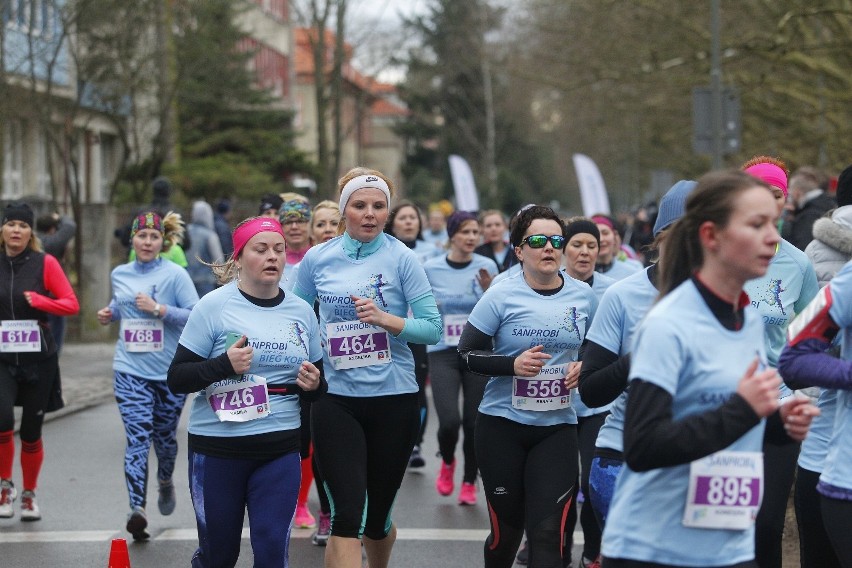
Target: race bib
20, 336
142, 335
545, 391
239, 400
453, 327
725, 491
354, 344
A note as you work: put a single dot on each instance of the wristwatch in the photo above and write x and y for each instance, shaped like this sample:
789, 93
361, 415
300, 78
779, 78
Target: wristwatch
156, 310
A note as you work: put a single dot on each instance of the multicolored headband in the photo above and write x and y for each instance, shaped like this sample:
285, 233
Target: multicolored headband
247, 230
149, 220
361, 182
771, 174
294, 210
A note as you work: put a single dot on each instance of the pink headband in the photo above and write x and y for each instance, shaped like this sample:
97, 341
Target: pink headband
771, 174
247, 230
603, 221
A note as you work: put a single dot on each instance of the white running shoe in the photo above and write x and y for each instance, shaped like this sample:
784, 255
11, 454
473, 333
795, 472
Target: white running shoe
7, 497
29, 507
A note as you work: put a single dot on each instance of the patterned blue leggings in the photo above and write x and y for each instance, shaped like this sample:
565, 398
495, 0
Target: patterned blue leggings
150, 413
602, 477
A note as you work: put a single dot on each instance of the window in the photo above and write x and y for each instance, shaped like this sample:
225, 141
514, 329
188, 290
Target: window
13, 160
109, 165
42, 166
34, 16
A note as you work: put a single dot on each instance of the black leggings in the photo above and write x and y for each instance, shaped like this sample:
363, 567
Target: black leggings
362, 446
421, 373
30, 388
305, 452
837, 517
587, 435
448, 378
779, 469
815, 550
528, 473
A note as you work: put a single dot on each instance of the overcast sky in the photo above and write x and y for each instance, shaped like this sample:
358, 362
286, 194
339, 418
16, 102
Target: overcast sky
374, 30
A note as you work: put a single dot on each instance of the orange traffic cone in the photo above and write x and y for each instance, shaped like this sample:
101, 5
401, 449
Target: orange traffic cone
118, 555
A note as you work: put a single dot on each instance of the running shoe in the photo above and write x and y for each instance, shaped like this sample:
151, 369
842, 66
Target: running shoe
8, 493
137, 522
467, 495
29, 507
166, 501
304, 519
320, 537
416, 460
586, 563
523, 556
444, 484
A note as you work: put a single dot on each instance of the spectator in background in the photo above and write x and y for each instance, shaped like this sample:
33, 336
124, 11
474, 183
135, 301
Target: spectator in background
810, 201
55, 232
205, 249
831, 247
269, 205
222, 226
641, 234
436, 229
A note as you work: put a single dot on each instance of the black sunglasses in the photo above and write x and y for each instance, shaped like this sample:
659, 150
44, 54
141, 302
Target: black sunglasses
539, 241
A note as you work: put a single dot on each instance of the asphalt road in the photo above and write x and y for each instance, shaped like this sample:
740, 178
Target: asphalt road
84, 505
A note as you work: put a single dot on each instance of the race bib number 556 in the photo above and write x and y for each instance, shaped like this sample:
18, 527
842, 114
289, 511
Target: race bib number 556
545, 391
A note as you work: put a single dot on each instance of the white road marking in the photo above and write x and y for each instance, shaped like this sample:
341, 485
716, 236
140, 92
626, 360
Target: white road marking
466, 535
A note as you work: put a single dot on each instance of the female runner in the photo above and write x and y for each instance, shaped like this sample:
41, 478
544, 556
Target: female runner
525, 333
365, 428
152, 298
694, 420
32, 285
249, 350
458, 281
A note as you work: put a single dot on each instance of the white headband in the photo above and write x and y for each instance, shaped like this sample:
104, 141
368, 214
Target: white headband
361, 182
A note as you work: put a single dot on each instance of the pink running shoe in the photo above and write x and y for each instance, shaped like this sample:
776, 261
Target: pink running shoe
444, 484
467, 495
304, 519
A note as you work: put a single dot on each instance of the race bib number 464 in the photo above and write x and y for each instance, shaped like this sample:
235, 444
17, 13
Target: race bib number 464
354, 344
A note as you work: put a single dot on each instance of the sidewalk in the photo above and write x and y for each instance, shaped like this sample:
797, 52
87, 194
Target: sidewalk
86, 370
